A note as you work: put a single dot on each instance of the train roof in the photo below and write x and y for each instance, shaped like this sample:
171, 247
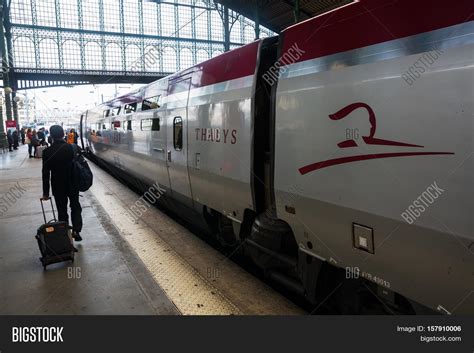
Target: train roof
367, 22
236, 63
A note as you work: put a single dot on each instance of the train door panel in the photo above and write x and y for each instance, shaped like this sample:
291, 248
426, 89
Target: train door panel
177, 141
157, 125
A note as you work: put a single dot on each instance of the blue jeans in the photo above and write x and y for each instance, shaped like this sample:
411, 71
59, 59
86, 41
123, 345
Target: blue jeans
30, 147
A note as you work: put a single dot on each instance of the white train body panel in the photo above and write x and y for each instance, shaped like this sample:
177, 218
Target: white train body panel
331, 188
220, 131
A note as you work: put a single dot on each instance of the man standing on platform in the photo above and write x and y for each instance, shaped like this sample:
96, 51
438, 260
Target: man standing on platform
22, 134
15, 139
57, 161
10, 140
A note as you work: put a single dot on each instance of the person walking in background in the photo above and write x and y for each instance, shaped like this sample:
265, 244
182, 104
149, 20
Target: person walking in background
15, 139
29, 136
57, 162
22, 134
41, 136
34, 143
10, 140
72, 137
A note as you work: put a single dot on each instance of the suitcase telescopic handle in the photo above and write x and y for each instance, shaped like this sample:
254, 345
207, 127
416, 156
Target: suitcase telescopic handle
52, 208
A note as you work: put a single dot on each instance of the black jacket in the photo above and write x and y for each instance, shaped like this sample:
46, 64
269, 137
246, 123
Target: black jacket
57, 161
9, 136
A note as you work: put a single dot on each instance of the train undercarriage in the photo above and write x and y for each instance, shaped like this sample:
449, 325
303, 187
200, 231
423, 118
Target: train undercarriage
269, 244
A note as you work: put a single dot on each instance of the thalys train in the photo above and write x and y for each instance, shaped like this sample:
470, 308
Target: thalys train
336, 155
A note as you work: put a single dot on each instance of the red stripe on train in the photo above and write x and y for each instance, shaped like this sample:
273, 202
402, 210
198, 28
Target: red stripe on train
336, 161
234, 64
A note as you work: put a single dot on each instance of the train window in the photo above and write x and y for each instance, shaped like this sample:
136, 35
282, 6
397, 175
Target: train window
115, 111
151, 124
130, 108
145, 124
135, 124
101, 126
151, 103
178, 133
155, 126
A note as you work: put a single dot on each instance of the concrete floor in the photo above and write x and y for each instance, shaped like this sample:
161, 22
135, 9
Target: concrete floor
151, 266
199, 279
103, 279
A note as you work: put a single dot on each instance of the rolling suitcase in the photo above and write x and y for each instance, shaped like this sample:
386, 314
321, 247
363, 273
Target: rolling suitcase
54, 240
39, 151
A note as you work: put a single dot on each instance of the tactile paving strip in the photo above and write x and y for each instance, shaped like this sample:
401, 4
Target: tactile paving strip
190, 292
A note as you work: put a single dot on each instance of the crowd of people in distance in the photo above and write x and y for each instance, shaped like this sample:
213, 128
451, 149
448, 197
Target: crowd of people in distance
12, 137
35, 139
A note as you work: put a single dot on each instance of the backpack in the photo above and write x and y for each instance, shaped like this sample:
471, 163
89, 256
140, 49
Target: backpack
34, 141
81, 174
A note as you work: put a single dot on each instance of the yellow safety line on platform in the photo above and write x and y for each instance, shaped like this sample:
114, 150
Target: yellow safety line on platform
187, 289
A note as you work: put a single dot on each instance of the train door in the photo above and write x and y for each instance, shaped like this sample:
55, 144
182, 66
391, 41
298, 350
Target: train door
177, 140
158, 146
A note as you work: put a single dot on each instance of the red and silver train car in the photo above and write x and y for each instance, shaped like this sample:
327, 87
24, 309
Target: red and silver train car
338, 154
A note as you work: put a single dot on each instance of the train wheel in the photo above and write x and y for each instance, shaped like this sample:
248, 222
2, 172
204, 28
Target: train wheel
221, 228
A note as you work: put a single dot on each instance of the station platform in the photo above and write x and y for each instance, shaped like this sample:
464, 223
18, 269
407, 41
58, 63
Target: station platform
151, 266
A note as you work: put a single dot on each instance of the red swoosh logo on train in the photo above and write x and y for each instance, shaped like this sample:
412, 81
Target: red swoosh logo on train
369, 140
330, 162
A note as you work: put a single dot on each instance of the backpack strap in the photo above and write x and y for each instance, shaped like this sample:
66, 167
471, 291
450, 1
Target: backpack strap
74, 150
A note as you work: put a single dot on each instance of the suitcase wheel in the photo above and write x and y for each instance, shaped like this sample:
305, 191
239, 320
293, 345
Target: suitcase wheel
43, 262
